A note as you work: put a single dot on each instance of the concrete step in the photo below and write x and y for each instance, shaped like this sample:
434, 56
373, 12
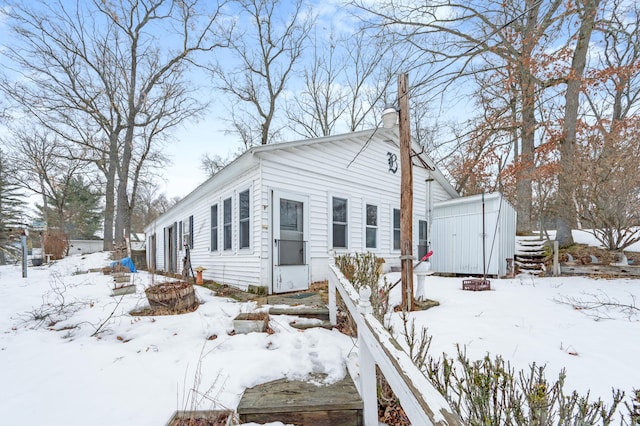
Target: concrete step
318, 312
301, 325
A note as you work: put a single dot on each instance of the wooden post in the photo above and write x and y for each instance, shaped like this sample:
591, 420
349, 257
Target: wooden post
406, 194
556, 262
333, 310
368, 385
23, 244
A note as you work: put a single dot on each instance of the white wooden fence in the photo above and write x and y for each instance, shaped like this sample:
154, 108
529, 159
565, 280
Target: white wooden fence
420, 400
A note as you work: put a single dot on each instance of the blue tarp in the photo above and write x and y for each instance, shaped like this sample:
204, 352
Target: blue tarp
126, 262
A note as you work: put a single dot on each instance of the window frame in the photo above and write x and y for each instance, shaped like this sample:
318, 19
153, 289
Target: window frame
244, 221
420, 239
227, 243
214, 228
333, 223
394, 229
374, 227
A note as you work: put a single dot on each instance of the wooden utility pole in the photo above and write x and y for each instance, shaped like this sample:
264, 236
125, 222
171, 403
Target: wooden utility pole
406, 194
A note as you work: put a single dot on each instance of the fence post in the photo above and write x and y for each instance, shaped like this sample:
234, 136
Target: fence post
368, 385
556, 263
333, 307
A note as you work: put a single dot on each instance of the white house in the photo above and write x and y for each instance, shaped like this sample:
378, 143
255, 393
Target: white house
277, 214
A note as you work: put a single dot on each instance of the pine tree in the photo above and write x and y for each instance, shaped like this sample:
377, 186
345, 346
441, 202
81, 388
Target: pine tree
76, 209
11, 211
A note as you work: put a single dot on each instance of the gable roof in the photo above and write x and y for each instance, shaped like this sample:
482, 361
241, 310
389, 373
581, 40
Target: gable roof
247, 160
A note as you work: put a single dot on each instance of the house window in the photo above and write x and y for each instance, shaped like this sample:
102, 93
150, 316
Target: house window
186, 232
423, 243
243, 219
396, 229
214, 227
371, 226
339, 223
226, 223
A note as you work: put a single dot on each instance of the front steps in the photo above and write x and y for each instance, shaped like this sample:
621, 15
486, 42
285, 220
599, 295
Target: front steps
305, 316
530, 256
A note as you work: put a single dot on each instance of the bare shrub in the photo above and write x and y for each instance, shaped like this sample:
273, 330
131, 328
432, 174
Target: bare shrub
362, 270
489, 391
56, 244
602, 306
55, 305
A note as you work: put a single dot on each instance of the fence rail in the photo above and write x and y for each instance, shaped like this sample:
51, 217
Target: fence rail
422, 403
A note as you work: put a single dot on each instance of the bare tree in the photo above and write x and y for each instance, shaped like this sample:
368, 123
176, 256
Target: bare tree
482, 37
45, 166
150, 204
266, 45
372, 68
607, 183
587, 11
315, 110
95, 72
212, 164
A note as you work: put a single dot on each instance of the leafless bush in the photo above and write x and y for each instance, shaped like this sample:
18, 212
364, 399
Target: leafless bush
490, 391
418, 344
602, 306
363, 269
56, 244
194, 396
55, 305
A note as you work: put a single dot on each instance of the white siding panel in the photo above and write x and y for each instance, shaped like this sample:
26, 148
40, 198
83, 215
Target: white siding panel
457, 237
327, 170
349, 167
235, 267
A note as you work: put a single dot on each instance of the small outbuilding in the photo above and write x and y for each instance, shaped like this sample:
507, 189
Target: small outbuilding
473, 234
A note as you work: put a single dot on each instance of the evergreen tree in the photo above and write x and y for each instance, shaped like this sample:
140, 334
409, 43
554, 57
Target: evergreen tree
11, 210
77, 211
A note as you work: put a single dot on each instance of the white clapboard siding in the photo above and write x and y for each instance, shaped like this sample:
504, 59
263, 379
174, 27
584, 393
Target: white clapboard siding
341, 169
458, 238
353, 166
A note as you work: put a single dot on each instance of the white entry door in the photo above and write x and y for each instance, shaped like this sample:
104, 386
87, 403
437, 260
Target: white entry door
290, 242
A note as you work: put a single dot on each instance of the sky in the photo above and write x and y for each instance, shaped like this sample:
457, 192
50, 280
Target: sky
193, 139
139, 370
189, 144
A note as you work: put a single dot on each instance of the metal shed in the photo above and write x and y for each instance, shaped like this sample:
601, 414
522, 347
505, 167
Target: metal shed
456, 235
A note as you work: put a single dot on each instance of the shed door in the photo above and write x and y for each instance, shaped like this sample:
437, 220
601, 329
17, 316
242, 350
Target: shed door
290, 241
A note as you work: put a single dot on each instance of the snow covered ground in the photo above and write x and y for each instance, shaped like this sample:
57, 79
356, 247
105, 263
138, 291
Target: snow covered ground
139, 370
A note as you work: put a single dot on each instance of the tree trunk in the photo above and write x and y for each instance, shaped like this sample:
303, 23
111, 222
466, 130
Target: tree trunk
565, 205
109, 204
123, 212
524, 185
524, 192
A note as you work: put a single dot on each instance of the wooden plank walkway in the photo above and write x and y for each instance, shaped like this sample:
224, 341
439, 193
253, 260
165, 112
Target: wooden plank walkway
302, 403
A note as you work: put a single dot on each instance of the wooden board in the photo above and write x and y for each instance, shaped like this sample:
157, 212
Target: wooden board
302, 403
595, 269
